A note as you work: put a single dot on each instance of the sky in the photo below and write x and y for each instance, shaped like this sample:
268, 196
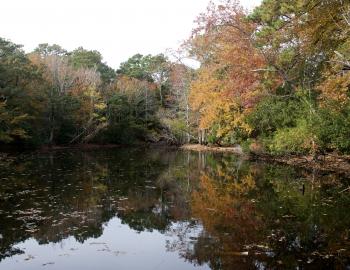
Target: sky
116, 28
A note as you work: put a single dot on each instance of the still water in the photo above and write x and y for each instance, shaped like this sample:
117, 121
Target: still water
167, 209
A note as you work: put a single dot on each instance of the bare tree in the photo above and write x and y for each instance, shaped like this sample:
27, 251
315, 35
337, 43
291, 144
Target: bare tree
180, 77
62, 77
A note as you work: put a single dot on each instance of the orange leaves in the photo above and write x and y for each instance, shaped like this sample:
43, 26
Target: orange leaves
336, 87
130, 85
228, 81
206, 93
241, 60
225, 203
336, 83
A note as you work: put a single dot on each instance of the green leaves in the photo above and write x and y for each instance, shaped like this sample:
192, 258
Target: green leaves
11, 122
20, 101
274, 113
81, 58
143, 67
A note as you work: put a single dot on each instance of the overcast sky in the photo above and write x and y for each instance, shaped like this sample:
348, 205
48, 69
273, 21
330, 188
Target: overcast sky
116, 28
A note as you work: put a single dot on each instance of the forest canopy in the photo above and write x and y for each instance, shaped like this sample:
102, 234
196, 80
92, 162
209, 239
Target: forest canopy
276, 79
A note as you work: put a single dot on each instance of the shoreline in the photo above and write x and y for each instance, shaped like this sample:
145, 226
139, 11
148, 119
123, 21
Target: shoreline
78, 146
329, 163
48, 148
203, 148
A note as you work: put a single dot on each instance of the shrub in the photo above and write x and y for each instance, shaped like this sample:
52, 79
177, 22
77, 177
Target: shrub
332, 128
299, 139
274, 113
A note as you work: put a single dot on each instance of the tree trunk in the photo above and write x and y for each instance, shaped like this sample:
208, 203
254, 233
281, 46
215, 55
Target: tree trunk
188, 123
51, 135
52, 125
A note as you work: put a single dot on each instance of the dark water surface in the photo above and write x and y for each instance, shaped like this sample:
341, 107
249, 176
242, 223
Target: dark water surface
165, 209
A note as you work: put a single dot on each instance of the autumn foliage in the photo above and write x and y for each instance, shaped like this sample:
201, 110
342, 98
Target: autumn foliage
277, 77
293, 54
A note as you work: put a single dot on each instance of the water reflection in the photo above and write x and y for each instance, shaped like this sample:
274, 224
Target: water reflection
162, 209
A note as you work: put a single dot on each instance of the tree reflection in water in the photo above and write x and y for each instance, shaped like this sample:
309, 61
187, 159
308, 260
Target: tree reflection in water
215, 209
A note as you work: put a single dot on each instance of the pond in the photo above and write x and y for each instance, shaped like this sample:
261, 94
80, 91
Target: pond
132, 208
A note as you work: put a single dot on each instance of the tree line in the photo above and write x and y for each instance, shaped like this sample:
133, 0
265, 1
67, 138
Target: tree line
52, 96
275, 79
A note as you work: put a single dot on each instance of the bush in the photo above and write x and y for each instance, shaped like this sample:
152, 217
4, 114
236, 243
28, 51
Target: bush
216, 136
295, 140
273, 113
332, 129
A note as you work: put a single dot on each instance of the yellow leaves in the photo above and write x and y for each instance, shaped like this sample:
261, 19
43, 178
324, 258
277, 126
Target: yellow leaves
209, 97
227, 85
336, 87
233, 117
225, 202
91, 92
205, 88
19, 119
93, 97
103, 119
241, 187
101, 106
206, 96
